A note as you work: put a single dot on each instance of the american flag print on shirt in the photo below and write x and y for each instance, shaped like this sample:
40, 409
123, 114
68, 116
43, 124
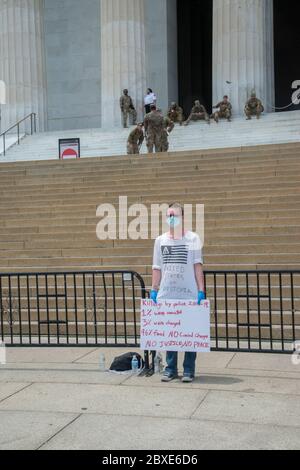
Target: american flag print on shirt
175, 254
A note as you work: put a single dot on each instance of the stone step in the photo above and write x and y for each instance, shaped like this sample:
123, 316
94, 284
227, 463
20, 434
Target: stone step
90, 242
238, 160
259, 169
211, 200
144, 271
190, 174
252, 195
211, 214
217, 210
195, 178
133, 261
247, 251
236, 220
280, 312
63, 240
273, 128
156, 196
155, 184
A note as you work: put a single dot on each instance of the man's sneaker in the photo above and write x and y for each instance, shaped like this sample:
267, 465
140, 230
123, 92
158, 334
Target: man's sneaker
187, 379
168, 377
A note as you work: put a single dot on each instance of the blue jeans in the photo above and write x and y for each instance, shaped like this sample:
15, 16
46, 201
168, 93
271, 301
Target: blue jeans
189, 364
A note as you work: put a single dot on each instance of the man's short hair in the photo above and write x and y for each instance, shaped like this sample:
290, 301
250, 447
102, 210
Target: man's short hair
225, 96
153, 107
176, 205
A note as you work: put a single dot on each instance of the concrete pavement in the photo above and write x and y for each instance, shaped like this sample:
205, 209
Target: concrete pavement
58, 399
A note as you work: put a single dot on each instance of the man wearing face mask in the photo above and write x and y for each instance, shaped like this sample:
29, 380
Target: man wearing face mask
178, 275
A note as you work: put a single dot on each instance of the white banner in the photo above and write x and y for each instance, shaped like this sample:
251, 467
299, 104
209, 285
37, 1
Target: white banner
175, 325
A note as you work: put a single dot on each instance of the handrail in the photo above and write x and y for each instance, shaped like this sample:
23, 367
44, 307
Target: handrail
32, 117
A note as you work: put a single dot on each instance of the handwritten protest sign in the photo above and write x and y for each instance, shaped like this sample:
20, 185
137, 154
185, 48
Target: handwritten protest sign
175, 325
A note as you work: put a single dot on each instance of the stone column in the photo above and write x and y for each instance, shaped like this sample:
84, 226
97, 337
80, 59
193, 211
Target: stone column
123, 57
243, 51
22, 65
161, 50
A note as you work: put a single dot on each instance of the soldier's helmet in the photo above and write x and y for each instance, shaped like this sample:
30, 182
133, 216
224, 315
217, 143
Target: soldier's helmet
253, 94
197, 103
173, 104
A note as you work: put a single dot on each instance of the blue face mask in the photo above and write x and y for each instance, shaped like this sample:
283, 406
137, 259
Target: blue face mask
173, 222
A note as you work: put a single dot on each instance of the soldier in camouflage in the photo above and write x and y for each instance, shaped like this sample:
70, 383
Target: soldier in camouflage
135, 140
224, 110
254, 107
154, 129
198, 113
127, 108
175, 113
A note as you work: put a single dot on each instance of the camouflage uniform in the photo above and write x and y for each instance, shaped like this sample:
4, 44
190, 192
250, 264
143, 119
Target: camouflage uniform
168, 127
254, 107
126, 105
225, 111
154, 129
198, 113
175, 113
135, 140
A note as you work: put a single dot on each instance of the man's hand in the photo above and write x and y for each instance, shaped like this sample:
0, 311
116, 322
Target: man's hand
201, 297
153, 296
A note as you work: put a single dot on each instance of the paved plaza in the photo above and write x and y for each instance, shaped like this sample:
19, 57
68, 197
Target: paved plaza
59, 399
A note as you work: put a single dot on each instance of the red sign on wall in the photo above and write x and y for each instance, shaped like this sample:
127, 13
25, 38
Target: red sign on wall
69, 149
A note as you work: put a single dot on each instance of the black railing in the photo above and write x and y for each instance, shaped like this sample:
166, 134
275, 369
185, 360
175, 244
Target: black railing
253, 311
71, 309
32, 118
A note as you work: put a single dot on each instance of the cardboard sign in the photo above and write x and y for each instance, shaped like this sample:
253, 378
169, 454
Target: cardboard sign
175, 325
69, 148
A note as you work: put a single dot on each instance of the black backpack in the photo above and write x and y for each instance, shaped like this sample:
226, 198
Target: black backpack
123, 363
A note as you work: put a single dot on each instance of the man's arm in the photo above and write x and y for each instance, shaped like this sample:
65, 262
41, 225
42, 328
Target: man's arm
170, 127
156, 279
141, 139
199, 275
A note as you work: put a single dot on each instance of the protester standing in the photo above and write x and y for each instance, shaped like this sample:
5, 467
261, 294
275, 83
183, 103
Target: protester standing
177, 275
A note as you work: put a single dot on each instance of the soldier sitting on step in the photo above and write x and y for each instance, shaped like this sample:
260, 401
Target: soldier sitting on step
198, 113
175, 113
224, 110
254, 107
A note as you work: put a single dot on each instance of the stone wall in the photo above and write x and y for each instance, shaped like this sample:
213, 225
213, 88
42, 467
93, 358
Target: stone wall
73, 61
